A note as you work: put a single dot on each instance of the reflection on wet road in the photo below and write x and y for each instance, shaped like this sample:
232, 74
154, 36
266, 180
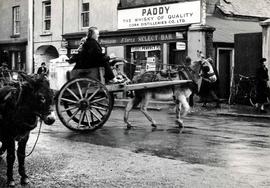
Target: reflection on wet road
241, 145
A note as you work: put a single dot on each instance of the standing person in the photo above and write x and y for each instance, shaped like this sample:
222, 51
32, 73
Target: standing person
43, 70
261, 86
91, 55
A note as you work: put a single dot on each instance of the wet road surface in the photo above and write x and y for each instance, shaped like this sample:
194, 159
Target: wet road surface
237, 144
211, 151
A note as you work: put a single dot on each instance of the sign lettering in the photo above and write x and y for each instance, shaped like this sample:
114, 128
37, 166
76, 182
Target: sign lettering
145, 48
160, 15
155, 11
142, 38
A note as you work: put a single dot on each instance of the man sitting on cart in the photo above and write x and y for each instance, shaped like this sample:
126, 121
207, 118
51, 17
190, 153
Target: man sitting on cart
90, 55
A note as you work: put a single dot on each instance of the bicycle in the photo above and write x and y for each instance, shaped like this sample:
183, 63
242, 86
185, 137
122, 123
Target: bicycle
244, 91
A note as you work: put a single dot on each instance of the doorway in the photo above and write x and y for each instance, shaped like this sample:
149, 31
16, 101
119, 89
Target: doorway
176, 56
224, 64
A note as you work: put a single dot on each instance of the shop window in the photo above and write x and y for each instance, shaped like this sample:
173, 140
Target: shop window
146, 57
16, 20
85, 14
19, 60
4, 57
46, 16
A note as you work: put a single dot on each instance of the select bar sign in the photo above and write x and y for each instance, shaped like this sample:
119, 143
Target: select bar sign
182, 13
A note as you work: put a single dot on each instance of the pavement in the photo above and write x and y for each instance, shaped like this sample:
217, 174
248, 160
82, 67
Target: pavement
243, 111
237, 110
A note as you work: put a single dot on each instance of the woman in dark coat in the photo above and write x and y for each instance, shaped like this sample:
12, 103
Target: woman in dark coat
261, 85
91, 55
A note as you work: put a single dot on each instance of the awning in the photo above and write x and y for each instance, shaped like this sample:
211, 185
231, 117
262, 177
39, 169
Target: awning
14, 41
225, 28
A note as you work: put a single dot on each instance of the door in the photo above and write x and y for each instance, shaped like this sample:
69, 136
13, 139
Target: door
176, 57
248, 52
224, 65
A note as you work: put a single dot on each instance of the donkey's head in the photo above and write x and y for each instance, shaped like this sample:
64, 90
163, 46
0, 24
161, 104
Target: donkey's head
39, 96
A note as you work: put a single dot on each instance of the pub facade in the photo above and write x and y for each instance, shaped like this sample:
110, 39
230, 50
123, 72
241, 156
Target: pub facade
155, 33
154, 36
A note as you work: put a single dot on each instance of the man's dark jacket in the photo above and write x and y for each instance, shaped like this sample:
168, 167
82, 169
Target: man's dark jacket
261, 84
42, 70
91, 55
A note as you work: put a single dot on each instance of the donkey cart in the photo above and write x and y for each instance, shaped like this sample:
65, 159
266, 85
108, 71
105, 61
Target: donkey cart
85, 102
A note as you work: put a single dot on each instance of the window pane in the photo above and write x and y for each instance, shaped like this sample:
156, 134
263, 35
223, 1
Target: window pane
16, 20
19, 57
17, 17
47, 24
17, 27
85, 19
48, 11
85, 7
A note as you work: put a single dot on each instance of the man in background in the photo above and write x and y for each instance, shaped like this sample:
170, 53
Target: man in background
43, 70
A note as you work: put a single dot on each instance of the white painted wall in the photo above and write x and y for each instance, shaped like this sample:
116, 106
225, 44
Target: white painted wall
266, 42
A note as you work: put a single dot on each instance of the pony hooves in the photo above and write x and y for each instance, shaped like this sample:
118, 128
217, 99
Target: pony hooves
180, 123
129, 126
25, 181
154, 125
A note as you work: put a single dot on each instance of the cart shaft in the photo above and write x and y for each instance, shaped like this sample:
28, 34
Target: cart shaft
141, 86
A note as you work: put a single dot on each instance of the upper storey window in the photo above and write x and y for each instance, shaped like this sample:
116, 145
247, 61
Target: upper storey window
16, 20
85, 14
46, 16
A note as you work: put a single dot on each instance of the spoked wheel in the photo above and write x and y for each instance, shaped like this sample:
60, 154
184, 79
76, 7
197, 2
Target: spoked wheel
84, 104
252, 97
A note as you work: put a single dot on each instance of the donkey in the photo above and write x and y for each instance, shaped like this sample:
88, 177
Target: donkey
20, 107
178, 93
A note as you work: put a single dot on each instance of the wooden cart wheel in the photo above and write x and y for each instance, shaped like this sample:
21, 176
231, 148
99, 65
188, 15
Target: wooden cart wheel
84, 104
69, 112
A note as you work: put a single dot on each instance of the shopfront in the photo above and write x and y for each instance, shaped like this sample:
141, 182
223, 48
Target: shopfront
151, 37
14, 55
148, 49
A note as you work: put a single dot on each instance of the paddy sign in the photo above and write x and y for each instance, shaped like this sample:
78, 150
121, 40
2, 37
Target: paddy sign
161, 15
